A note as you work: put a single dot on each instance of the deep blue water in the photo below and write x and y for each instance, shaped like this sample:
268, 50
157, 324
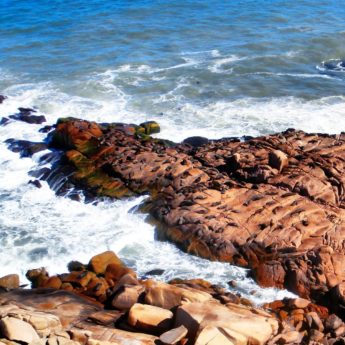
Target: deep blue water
214, 68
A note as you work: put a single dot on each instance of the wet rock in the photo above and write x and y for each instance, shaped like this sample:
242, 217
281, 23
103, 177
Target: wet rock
35, 183
28, 118
2, 98
10, 281
25, 147
4, 121
18, 330
76, 266
150, 318
155, 272
174, 335
150, 127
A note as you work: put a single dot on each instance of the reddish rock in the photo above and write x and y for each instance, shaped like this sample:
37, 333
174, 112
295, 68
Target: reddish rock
99, 263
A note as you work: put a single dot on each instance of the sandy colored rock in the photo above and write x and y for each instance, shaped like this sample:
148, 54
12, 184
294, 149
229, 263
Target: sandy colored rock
219, 336
99, 334
150, 318
18, 330
299, 303
168, 296
174, 335
240, 322
10, 281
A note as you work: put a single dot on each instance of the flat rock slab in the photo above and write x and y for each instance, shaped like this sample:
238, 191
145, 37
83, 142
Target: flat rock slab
69, 307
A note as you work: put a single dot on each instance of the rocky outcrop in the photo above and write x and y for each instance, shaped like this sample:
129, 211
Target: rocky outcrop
182, 312
147, 312
274, 204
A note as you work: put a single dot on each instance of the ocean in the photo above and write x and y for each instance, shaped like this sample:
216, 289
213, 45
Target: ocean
215, 69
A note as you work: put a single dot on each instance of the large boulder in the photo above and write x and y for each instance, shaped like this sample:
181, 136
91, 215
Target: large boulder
10, 281
18, 330
99, 262
150, 319
169, 296
239, 323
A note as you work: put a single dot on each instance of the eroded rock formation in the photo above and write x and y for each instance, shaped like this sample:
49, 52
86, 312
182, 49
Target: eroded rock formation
274, 204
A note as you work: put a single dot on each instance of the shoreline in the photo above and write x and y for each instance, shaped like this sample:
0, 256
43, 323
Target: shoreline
193, 179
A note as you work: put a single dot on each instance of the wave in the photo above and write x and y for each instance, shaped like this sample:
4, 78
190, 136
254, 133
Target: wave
332, 66
294, 75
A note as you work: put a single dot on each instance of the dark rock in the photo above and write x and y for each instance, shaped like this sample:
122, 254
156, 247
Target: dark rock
4, 121
2, 98
76, 266
36, 183
155, 272
46, 129
196, 141
24, 147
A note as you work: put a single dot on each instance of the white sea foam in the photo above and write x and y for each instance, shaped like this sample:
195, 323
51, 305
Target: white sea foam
294, 75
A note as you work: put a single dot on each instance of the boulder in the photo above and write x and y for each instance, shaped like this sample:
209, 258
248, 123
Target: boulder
149, 318
18, 330
168, 296
126, 296
242, 325
10, 281
174, 335
99, 263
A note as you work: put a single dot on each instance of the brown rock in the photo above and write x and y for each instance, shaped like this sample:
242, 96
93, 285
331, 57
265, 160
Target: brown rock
299, 303
149, 318
99, 263
126, 296
52, 282
115, 271
10, 281
278, 160
174, 335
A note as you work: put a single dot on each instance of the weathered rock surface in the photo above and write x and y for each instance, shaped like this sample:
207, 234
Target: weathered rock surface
274, 204
129, 311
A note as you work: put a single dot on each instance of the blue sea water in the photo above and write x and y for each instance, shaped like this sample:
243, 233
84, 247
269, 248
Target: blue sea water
214, 68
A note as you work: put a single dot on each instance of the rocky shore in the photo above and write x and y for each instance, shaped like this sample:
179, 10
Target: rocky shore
104, 302
274, 204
